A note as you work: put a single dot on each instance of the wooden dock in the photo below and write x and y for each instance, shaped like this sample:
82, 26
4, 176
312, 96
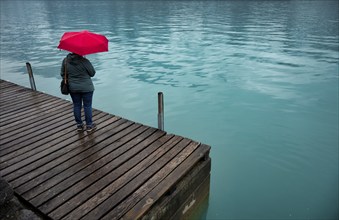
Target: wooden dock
121, 170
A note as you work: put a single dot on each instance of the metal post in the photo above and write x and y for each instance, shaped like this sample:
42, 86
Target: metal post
160, 111
31, 77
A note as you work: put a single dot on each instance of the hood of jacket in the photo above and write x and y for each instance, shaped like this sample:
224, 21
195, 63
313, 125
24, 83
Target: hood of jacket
74, 58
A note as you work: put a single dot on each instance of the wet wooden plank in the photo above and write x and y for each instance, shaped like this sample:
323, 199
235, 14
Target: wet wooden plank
184, 200
25, 99
6, 84
6, 88
91, 163
118, 165
32, 101
40, 143
142, 190
99, 191
111, 172
68, 148
19, 96
86, 157
141, 206
48, 147
9, 119
11, 139
34, 122
36, 135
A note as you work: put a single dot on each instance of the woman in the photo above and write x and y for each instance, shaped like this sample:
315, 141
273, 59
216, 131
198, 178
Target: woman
79, 73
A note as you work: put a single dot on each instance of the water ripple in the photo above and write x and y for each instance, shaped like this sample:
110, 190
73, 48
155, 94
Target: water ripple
258, 80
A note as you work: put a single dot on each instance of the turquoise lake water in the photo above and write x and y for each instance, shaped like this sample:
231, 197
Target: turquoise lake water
257, 80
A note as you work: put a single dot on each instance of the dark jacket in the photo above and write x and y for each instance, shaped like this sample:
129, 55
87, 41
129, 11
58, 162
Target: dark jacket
79, 73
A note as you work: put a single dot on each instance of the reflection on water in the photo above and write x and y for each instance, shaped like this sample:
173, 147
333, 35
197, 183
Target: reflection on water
257, 80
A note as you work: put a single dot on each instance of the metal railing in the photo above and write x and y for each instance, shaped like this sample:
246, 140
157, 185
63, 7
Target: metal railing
31, 77
161, 111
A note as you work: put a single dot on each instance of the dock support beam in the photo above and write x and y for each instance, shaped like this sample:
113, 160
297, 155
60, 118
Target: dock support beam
31, 77
160, 111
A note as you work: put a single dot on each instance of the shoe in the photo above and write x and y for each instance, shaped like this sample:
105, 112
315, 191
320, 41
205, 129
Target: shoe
91, 128
80, 127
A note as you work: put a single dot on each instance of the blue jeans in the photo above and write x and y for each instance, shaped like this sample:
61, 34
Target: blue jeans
85, 98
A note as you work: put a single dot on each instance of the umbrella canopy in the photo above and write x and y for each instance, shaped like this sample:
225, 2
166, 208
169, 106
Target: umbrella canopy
83, 42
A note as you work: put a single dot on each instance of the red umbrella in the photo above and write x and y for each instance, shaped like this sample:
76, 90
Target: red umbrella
83, 42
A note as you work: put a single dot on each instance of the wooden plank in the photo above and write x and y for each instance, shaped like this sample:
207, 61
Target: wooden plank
39, 143
44, 182
56, 127
12, 144
119, 189
34, 99
186, 199
16, 146
17, 95
22, 95
35, 118
141, 191
11, 116
197, 202
22, 110
44, 143
137, 209
44, 101
31, 121
6, 84
8, 97
124, 172
86, 157
39, 163
17, 116
34, 129
35, 123
94, 176
53, 128
27, 101
7, 89
89, 173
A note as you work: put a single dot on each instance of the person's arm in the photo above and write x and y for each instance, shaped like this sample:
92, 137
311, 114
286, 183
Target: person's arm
62, 72
89, 67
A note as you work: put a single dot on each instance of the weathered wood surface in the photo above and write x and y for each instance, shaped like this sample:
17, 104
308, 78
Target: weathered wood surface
119, 170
